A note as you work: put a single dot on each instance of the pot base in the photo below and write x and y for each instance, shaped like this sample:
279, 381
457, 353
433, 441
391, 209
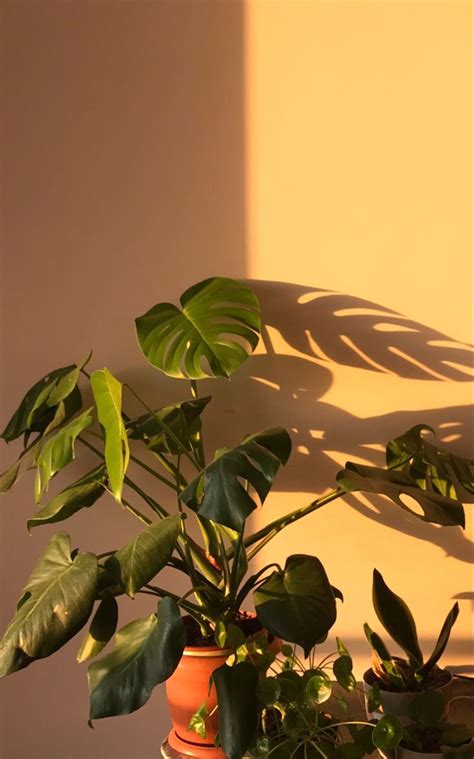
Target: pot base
183, 748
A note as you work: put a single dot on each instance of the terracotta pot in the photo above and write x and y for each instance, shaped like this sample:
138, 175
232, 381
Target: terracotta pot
397, 703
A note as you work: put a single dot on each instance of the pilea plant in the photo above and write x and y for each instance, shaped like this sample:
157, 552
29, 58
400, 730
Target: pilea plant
298, 715
412, 673
208, 337
428, 733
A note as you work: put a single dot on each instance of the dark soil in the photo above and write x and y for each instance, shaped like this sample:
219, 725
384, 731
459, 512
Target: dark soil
248, 623
436, 679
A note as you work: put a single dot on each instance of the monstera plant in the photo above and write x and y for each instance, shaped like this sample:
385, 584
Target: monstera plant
210, 335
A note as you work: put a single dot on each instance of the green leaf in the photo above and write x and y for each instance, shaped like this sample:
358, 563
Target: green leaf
318, 689
387, 734
268, 691
219, 494
26, 462
107, 393
183, 419
236, 689
450, 475
390, 667
426, 708
80, 495
197, 723
58, 451
441, 643
436, 507
147, 652
55, 603
102, 629
397, 619
138, 562
297, 604
213, 334
373, 698
455, 735
342, 669
38, 407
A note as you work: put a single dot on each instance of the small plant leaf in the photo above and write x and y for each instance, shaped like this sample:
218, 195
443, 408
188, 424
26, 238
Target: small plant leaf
297, 604
318, 689
213, 334
387, 733
101, 630
138, 562
268, 691
219, 494
197, 723
441, 643
147, 652
384, 657
107, 393
397, 619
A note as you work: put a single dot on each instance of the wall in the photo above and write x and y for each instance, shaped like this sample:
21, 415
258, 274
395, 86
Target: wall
319, 147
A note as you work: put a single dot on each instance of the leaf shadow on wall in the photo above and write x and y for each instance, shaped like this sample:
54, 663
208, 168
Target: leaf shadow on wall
325, 331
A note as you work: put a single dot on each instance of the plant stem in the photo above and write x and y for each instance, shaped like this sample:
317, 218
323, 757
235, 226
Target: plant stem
273, 528
157, 507
200, 446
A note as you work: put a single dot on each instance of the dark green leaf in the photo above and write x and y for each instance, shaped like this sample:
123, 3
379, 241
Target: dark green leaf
181, 418
397, 619
58, 451
291, 685
147, 652
297, 604
37, 409
218, 326
451, 475
219, 494
426, 708
373, 698
436, 507
268, 691
342, 669
238, 707
102, 629
107, 393
442, 641
138, 562
55, 603
80, 495
387, 734
456, 735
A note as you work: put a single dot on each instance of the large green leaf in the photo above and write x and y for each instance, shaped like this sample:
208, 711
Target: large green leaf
101, 630
436, 508
218, 326
442, 641
431, 466
58, 451
138, 562
55, 603
219, 492
107, 393
397, 619
80, 495
297, 604
147, 652
182, 419
37, 409
238, 708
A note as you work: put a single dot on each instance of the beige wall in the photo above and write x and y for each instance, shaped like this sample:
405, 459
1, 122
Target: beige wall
322, 145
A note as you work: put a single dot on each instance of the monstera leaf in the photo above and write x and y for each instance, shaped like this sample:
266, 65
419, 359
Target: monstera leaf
56, 602
218, 493
394, 484
58, 451
213, 334
443, 471
80, 495
297, 604
138, 562
179, 426
107, 393
147, 652
56, 390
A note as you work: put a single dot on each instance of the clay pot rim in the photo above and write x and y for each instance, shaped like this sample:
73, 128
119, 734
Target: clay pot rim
370, 671
207, 652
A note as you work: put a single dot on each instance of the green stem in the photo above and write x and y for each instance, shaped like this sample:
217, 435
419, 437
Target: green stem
200, 446
164, 427
157, 507
170, 468
187, 605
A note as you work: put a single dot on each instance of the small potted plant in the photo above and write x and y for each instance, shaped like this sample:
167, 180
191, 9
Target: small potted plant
392, 682
300, 714
429, 736
209, 336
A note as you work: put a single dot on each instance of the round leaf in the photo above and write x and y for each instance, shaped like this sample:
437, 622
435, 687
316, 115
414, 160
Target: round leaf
387, 734
268, 691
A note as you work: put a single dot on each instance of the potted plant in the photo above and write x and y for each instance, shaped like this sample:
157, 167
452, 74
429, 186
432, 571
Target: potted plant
300, 713
392, 682
210, 336
429, 736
